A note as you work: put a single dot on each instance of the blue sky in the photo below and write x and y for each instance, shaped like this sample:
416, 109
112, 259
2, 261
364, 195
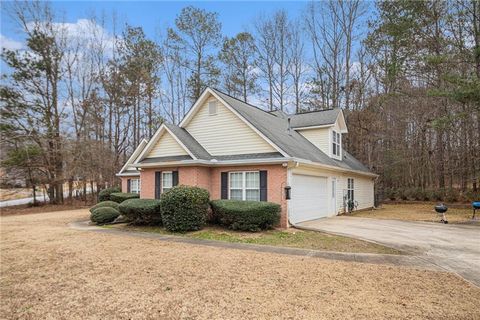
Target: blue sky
152, 15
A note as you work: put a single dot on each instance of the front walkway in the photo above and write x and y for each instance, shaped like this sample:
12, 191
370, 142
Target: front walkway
456, 248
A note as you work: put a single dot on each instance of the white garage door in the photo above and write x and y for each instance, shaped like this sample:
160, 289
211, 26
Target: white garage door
309, 199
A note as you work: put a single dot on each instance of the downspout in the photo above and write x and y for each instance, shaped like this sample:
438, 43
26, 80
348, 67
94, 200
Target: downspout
289, 184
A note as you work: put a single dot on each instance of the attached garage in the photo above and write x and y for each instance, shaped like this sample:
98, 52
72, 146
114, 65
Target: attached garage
309, 198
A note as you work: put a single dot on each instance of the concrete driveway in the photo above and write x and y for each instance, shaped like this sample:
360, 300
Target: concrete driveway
455, 248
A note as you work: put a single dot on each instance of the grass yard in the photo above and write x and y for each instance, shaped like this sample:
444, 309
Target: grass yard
418, 212
43, 208
50, 271
282, 238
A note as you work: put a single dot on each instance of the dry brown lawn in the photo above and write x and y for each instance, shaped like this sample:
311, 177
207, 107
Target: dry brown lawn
418, 212
49, 271
294, 238
43, 208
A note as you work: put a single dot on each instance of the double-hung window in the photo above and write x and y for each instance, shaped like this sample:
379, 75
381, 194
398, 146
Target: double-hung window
336, 143
135, 185
167, 181
244, 185
350, 190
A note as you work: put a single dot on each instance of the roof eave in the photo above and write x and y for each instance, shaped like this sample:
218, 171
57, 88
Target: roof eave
314, 127
127, 174
329, 167
210, 163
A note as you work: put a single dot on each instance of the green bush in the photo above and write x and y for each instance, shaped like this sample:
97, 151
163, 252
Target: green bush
184, 208
104, 215
401, 194
471, 195
390, 194
119, 197
141, 211
452, 195
109, 204
104, 195
247, 215
438, 194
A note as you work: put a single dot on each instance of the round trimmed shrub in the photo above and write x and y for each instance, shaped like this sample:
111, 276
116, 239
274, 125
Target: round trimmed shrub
184, 208
104, 195
246, 215
109, 204
104, 215
119, 197
141, 211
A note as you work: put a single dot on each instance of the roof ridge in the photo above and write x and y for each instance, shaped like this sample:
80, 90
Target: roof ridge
313, 111
248, 104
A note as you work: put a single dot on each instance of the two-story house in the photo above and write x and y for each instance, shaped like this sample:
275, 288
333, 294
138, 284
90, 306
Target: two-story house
238, 151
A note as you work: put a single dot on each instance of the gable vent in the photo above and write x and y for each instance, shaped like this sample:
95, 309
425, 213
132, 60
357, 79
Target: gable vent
212, 108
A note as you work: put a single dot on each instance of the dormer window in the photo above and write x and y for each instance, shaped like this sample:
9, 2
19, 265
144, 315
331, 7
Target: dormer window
336, 143
212, 108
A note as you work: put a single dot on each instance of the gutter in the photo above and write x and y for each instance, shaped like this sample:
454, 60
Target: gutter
212, 163
326, 166
218, 163
127, 174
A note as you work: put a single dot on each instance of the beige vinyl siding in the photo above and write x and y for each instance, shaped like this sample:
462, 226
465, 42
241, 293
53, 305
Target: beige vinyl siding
224, 133
166, 146
319, 137
363, 186
363, 191
322, 138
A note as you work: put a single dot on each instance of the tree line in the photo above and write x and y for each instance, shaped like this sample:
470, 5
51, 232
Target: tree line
76, 102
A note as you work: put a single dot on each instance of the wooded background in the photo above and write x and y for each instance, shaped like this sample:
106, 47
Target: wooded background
406, 74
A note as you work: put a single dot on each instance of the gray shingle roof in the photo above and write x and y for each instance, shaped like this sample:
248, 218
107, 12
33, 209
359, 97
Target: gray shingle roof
189, 142
131, 171
165, 159
293, 143
266, 155
314, 118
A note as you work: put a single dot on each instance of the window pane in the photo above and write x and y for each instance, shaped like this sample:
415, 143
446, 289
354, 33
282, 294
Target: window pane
135, 185
253, 195
236, 180
236, 194
334, 149
167, 180
334, 137
252, 180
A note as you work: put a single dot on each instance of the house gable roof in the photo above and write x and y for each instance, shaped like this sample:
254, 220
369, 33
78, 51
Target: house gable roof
275, 128
163, 128
126, 169
190, 143
271, 126
319, 119
220, 96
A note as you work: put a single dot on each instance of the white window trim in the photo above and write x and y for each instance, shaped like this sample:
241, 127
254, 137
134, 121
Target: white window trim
350, 187
138, 186
244, 184
163, 180
337, 143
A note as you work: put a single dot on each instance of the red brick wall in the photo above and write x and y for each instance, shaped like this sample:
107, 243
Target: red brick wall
209, 178
124, 182
276, 182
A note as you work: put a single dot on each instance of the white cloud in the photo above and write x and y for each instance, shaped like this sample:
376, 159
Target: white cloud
10, 44
84, 32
